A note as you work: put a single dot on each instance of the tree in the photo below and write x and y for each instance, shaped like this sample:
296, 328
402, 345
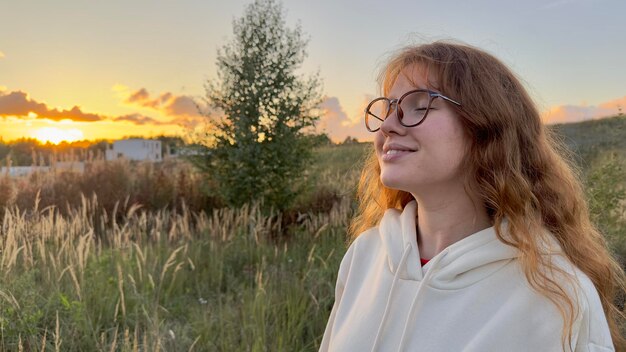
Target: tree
258, 144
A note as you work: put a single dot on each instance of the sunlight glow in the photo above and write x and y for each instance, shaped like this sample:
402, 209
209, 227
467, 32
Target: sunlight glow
56, 135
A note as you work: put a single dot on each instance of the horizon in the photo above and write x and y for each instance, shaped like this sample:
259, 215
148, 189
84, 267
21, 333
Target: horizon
189, 142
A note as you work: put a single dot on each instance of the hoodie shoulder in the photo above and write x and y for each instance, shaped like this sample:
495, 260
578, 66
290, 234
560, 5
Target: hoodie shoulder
367, 242
594, 333
591, 328
389, 227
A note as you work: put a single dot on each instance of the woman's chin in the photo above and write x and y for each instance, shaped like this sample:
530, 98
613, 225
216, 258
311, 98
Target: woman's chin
393, 182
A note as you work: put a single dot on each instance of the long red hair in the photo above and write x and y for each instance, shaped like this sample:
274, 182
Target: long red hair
518, 170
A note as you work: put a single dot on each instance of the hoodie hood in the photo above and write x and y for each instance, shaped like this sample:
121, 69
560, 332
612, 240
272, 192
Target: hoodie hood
461, 264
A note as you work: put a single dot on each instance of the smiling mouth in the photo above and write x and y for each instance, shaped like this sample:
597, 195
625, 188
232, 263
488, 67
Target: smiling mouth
398, 151
393, 154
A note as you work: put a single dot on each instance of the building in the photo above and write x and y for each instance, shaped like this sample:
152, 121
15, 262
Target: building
135, 149
20, 171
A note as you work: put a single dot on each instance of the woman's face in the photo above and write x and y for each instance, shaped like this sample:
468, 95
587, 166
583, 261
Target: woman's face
426, 156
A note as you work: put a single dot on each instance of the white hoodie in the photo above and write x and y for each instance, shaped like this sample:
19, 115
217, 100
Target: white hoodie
473, 296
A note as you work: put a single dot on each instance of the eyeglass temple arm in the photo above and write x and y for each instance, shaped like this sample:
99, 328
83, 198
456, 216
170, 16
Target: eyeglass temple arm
449, 99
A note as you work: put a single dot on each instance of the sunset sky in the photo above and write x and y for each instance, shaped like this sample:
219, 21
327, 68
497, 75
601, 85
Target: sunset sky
73, 69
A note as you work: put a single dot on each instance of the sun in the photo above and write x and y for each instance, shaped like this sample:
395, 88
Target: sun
56, 135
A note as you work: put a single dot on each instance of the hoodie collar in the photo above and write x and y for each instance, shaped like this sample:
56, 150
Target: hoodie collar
461, 264
398, 233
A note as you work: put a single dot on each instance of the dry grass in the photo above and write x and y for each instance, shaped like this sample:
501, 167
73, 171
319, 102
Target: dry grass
166, 280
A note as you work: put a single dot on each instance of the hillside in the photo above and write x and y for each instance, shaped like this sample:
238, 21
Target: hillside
590, 139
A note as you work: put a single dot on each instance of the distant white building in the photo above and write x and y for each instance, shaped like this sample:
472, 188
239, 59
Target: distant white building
135, 149
19, 171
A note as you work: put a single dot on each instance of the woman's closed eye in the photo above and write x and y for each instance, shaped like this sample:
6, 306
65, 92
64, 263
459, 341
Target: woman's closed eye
420, 110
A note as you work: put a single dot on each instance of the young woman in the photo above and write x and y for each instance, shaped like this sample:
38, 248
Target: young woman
473, 232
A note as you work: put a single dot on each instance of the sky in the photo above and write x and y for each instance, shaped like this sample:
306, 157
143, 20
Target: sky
75, 69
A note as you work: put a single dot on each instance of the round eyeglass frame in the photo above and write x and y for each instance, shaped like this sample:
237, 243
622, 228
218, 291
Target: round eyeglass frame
432, 95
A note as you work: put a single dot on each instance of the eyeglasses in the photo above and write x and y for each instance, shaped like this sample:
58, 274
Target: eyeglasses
412, 108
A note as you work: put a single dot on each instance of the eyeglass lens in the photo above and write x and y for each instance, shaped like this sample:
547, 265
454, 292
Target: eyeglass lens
414, 107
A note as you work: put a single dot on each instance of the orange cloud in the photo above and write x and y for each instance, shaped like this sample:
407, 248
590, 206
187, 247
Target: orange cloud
338, 125
575, 113
189, 121
139, 119
21, 105
138, 96
617, 105
167, 103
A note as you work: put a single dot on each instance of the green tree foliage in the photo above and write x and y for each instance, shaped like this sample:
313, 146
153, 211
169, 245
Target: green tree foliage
28, 151
259, 148
21, 152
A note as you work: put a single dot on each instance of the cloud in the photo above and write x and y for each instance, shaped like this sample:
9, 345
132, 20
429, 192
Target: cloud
139, 96
576, 113
182, 106
120, 89
615, 105
189, 121
166, 103
336, 122
19, 103
139, 119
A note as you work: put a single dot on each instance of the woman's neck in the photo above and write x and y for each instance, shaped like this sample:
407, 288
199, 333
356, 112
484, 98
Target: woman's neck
446, 217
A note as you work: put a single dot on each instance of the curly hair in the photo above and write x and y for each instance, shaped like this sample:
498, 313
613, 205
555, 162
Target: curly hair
518, 169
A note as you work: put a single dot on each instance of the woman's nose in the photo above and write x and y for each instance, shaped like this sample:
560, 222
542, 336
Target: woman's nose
392, 122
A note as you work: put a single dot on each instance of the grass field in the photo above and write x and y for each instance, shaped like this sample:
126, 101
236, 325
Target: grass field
170, 282
129, 279
123, 277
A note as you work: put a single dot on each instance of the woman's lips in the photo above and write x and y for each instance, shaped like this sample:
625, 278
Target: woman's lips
395, 154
